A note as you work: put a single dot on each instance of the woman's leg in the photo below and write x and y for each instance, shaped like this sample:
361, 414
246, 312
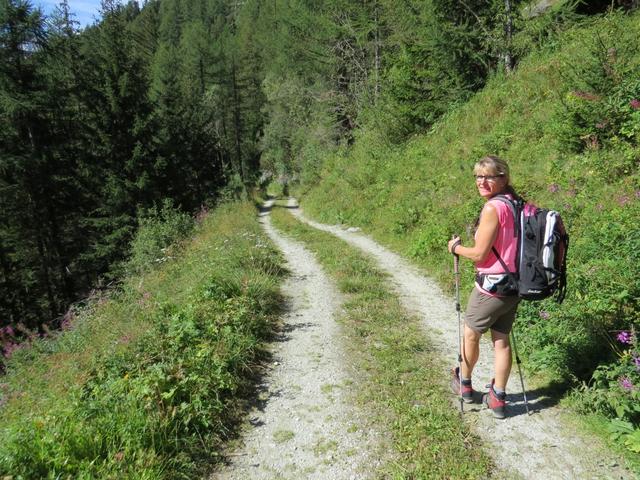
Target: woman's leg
502, 358
470, 351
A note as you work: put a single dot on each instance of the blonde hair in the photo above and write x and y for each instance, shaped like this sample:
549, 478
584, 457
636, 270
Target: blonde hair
494, 165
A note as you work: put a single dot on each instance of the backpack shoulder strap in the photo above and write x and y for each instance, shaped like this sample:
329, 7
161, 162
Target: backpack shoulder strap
515, 206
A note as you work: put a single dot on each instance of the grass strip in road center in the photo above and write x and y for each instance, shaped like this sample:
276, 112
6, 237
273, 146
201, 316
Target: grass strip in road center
404, 380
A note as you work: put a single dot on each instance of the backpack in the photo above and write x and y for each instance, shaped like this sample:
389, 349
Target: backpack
541, 258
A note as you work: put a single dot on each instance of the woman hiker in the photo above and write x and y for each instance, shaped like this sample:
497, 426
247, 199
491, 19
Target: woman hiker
493, 301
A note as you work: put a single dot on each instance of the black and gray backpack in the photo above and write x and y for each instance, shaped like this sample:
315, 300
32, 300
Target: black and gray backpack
541, 259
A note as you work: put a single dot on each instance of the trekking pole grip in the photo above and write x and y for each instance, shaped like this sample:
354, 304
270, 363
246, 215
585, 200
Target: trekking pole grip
456, 271
456, 257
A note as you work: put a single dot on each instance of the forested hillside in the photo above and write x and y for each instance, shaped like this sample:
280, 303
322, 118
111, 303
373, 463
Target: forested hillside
568, 121
148, 106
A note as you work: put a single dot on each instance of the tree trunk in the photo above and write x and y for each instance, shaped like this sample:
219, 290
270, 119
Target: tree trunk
237, 121
376, 91
508, 31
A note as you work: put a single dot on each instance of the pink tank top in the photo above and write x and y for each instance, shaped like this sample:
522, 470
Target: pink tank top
506, 242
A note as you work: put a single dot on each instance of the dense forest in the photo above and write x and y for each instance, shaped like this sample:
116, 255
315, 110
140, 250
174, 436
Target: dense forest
100, 125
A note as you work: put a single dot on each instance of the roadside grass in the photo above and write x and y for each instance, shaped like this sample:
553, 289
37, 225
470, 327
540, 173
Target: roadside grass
148, 381
403, 384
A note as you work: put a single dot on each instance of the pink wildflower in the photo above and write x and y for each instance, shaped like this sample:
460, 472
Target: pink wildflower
554, 187
624, 337
635, 104
544, 315
9, 348
8, 330
626, 383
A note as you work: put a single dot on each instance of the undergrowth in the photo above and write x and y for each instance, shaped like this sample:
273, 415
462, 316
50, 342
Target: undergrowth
146, 384
402, 372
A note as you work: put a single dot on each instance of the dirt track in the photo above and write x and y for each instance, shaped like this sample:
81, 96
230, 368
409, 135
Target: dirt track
306, 425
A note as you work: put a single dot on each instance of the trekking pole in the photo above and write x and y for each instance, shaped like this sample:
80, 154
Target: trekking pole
524, 392
456, 274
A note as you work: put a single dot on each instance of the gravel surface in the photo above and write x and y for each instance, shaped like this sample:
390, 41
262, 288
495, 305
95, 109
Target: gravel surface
305, 426
542, 445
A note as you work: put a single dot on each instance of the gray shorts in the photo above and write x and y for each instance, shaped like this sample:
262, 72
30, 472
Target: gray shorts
485, 312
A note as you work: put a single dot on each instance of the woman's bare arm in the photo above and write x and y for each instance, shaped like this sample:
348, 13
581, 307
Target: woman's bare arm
485, 236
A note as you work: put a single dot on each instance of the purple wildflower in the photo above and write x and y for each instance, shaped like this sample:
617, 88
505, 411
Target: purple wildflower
636, 361
625, 382
8, 330
637, 193
544, 315
635, 104
9, 348
623, 200
554, 187
624, 337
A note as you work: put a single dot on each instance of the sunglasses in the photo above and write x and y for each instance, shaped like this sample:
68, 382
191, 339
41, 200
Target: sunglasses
488, 178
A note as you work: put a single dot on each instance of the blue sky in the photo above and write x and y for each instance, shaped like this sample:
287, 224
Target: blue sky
86, 11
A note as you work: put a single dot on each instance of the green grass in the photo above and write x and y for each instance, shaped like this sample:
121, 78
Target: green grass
402, 385
282, 436
150, 380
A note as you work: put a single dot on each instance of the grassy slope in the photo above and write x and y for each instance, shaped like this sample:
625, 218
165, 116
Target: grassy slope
145, 384
396, 191
413, 196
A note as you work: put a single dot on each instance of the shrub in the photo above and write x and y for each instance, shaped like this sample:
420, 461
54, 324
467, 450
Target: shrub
614, 390
159, 229
601, 104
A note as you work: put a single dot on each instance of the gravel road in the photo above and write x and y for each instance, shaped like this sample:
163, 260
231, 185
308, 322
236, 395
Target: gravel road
542, 445
306, 426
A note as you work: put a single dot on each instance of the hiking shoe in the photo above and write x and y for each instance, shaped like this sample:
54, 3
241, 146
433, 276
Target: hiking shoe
467, 390
496, 402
